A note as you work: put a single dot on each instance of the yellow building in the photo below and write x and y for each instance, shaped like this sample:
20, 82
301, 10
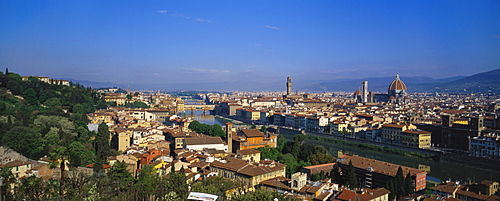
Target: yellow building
393, 133
99, 117
417, 138
339, 126
252, 139
252, 115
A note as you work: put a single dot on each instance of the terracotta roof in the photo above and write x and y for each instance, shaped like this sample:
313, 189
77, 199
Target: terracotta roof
243, 167
278, 182
397, 84
248, 151
377, 166
203, 140
252, 133
15, 163
104, 166
394, 125
320, 165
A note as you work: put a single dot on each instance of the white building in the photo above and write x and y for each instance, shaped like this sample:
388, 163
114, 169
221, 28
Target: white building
485, 147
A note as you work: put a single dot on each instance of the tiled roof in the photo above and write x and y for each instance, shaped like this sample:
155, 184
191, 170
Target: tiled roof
246, 168
278, 182
377, 166
248, 151
252, 133
15, 163
203, 140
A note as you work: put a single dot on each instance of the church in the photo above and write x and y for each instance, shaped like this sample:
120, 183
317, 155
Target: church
396, 93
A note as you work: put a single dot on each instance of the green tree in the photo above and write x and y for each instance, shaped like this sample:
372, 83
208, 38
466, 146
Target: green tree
281, 143
351, 180
292, 165
263, 129
269, 152
399, 183
409, 189
177, 183
390, 186
30, 188
319, 158
299, 138
8, 179
31, 97
102, 148
53, 103
60, 157
27, 141
139, 104
146, 183
335, 175
121, 179
78, 108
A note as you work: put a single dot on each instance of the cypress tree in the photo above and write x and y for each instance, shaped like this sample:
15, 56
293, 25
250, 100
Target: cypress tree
172, 168
335, 175
399, 183
351, 180
390, 186
102, 147
409, 184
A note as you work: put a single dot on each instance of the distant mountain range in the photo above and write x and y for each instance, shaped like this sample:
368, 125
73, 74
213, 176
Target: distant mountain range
482, 82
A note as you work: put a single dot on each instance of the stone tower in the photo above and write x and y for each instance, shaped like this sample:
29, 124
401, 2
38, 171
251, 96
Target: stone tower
229, 137
364, 92
288, 85
299, 180
447, 120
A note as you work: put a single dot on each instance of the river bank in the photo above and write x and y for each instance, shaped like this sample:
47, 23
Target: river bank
443, 165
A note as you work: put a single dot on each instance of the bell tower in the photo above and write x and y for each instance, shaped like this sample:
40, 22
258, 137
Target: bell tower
229, 137
289, 85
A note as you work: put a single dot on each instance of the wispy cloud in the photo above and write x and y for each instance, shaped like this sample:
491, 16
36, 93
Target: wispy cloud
271, 27
180, 15
202, 20
270, 50
258, 45
202, 70
496, 36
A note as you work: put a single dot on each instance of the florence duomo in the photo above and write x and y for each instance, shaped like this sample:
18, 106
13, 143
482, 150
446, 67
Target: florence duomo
396, 93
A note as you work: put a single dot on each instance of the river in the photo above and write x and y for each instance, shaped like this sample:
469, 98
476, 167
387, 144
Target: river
436, 170
204, 118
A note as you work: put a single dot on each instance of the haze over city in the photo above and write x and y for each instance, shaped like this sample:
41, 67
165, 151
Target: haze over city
164, 42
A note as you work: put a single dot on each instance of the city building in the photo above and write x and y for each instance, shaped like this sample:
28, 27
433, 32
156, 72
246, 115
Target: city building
396, 93
485, 147
375, 174
248, 173
453, 135
416, 138
253, 138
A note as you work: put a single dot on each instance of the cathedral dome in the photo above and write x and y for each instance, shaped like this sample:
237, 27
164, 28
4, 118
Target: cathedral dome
397, 84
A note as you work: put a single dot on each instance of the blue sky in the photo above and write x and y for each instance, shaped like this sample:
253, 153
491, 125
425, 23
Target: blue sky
161, 42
